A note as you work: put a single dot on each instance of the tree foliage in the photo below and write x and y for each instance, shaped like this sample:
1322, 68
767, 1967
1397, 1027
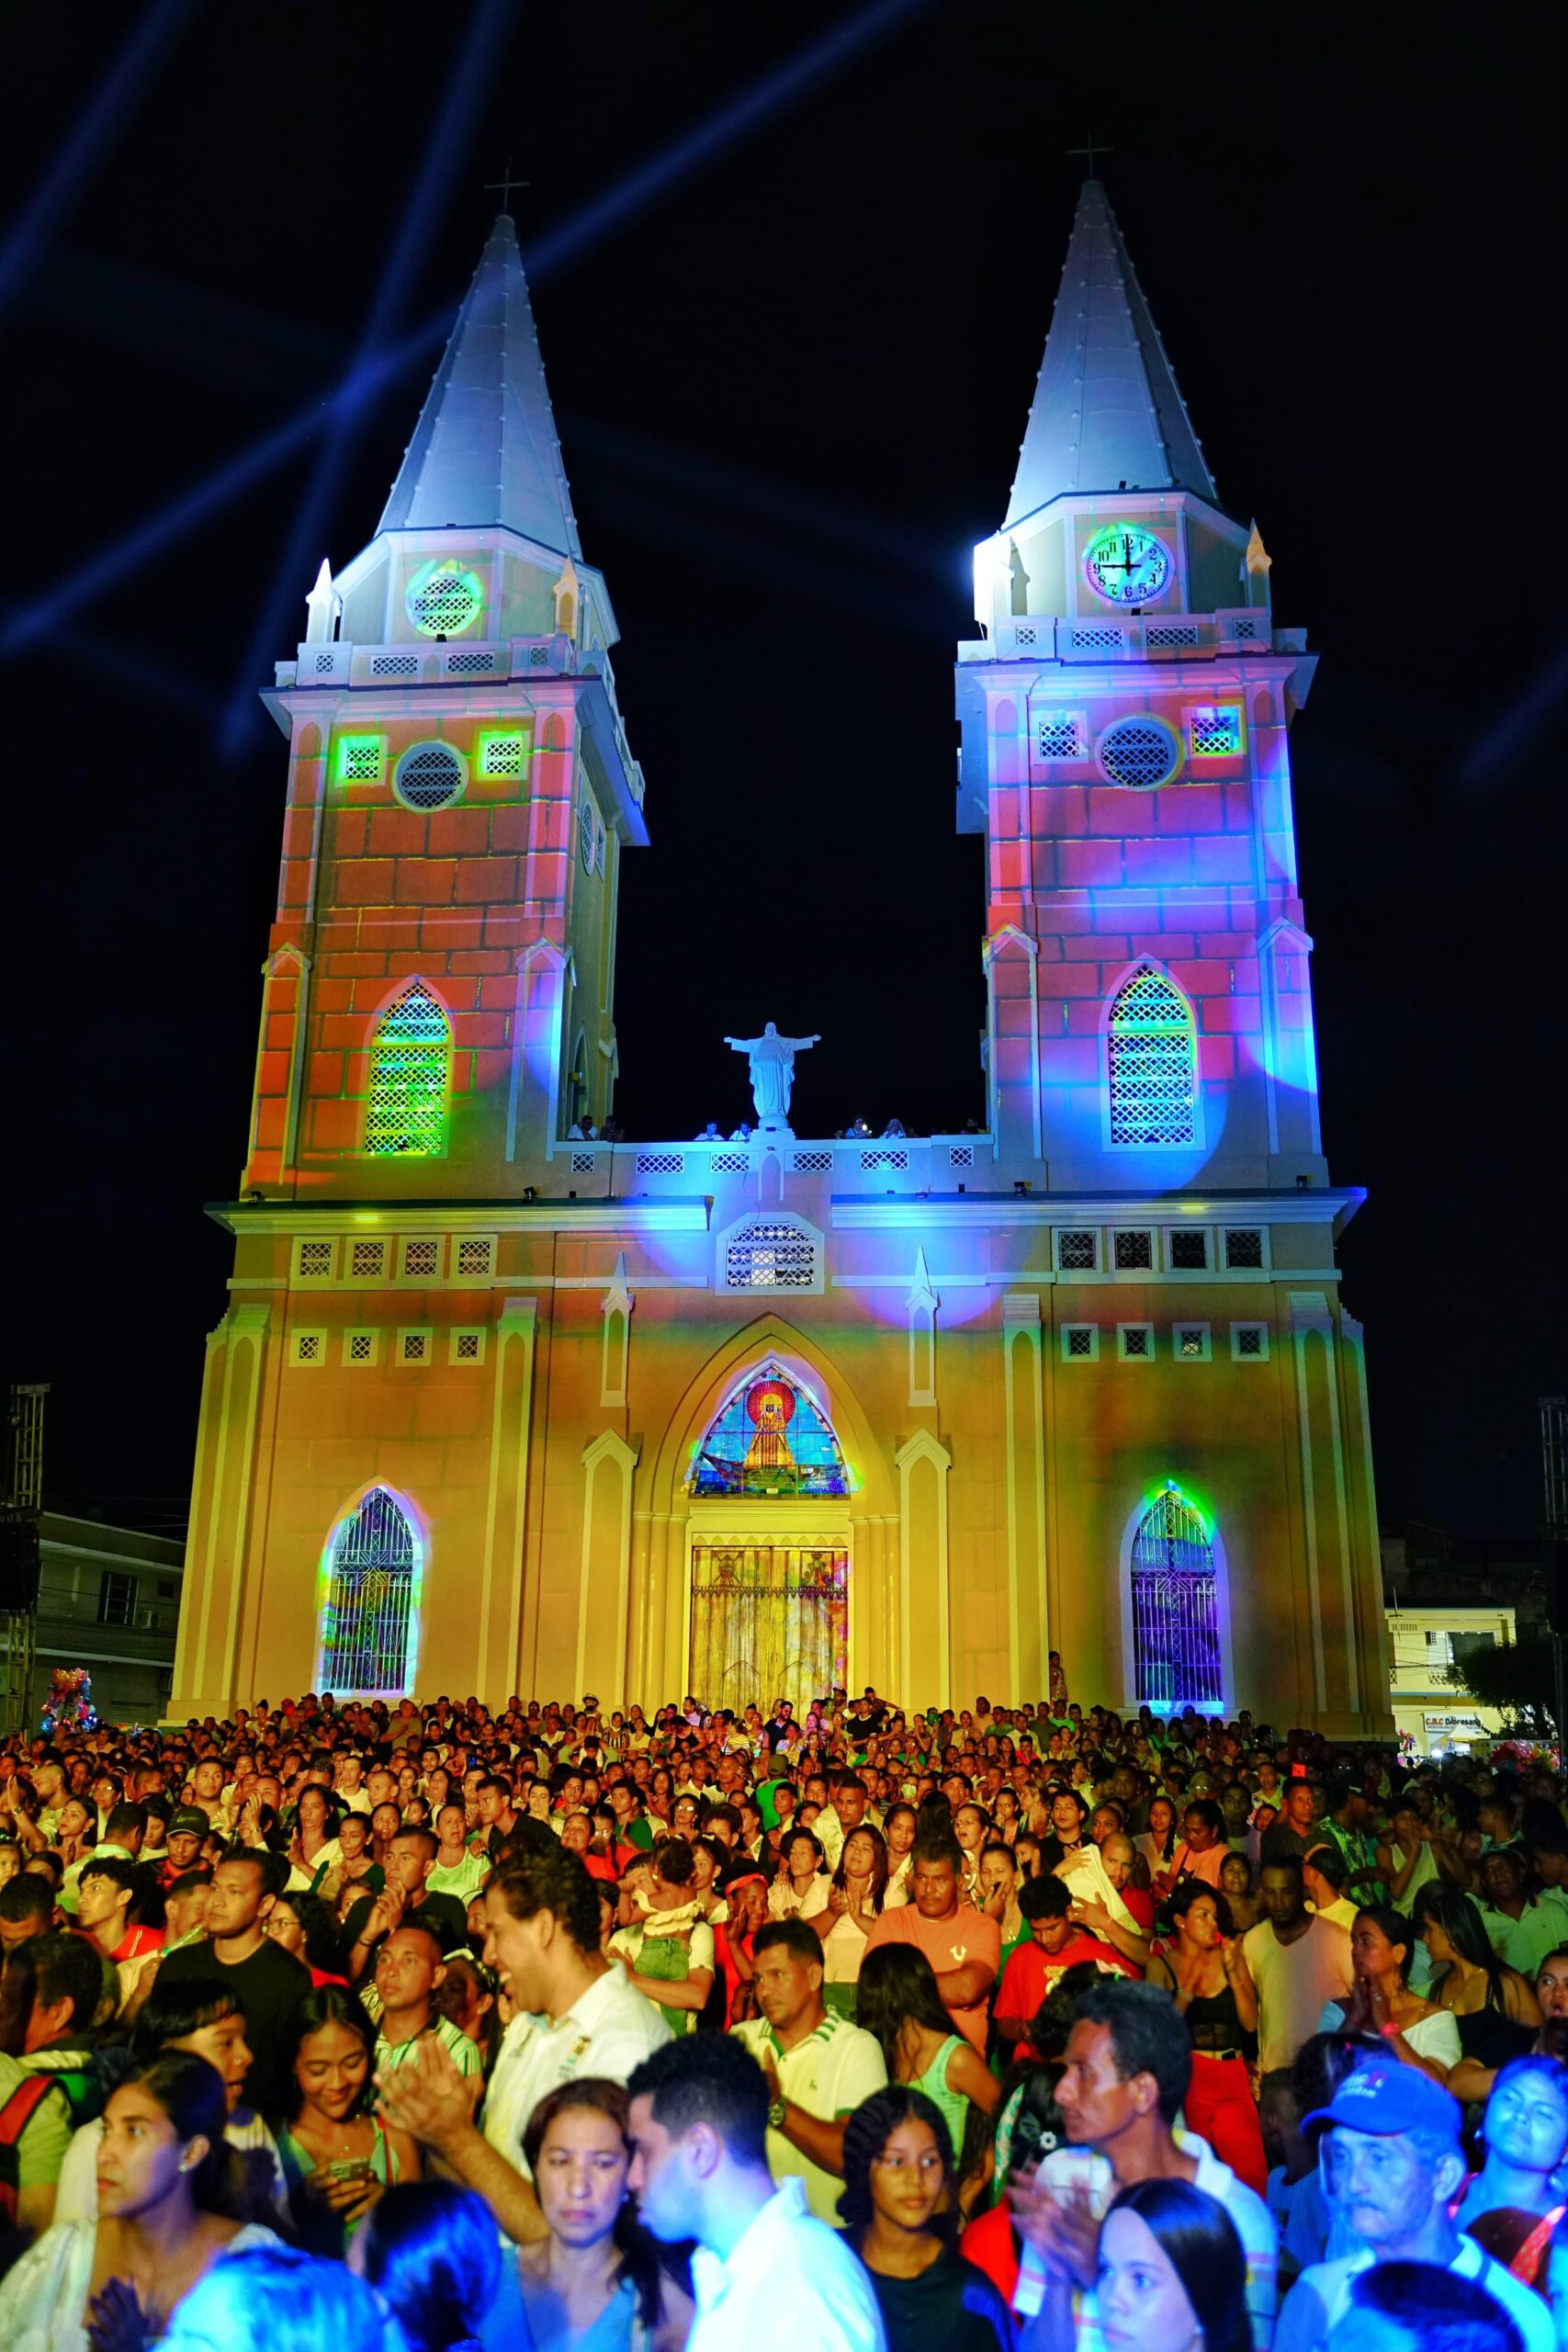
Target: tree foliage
1515, 1677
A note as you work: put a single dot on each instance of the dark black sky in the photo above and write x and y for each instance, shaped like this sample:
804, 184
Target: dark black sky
791, 386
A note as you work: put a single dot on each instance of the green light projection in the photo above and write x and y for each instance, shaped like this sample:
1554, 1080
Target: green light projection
409, 1074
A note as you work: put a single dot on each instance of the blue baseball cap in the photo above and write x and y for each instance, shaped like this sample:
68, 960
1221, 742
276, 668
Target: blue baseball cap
1380, 2095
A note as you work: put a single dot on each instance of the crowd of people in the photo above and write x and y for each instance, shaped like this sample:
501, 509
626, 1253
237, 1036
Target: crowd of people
1030, 2029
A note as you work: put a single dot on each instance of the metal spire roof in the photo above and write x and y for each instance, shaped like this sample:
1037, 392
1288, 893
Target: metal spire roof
484, 451
1106, 408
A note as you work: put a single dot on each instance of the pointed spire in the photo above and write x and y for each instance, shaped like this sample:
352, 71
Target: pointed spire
484, 451
1106, 408
319, 606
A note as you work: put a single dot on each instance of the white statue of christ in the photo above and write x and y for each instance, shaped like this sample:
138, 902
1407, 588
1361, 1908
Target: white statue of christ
773, 1070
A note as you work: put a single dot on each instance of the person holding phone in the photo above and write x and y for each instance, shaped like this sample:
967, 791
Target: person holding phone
337, 2155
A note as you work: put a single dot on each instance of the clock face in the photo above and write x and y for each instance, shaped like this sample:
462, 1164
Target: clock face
1126, 564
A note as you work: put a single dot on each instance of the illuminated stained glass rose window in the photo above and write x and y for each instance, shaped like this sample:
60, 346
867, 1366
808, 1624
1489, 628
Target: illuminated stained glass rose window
771, 1438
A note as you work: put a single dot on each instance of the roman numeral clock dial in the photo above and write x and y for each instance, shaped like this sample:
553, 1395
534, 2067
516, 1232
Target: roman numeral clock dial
1126, 564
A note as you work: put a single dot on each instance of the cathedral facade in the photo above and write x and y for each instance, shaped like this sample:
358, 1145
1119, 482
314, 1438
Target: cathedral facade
499, 1406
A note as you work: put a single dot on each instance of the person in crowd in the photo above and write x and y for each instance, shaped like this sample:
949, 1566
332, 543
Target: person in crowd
206, 2020
303, 1925
430, 2251
1204, 1972
1417, 2307
574, 2012
402, 2006
337, 2154
165, 2216
470, 1995
1056, 1943
900, 2006
1521, 1926
1324, 1875
668, 1949
276, 2299
1296, 1830
1494, 2007
963, 1945
698, 2126
1172, 2275
1296, 1964
899, 1826
595, 2276
1513, 2206
997, 1883
819, 2065
313, 1851
853, 1907
1156, 1845
1418, 2032
267, 1982
1238, 1887
900, 2213
802, 1884
1396, 2169
49, 2002
1128, 2065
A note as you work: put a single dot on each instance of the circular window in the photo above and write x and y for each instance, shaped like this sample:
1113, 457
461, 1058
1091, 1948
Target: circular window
431, 775
1141, 752
443, 599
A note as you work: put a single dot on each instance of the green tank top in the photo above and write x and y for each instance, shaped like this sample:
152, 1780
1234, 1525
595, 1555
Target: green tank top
954, 2105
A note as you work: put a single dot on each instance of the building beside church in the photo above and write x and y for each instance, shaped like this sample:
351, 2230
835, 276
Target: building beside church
498, 1405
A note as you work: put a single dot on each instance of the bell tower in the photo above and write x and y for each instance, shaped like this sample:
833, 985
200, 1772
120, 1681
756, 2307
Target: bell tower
1124, 722
438, 992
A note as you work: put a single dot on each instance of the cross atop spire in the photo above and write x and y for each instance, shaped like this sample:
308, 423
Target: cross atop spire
484, 452
504, 186
1107, 413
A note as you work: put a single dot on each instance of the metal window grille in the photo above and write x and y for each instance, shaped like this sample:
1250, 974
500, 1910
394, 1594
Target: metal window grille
310, 1347
1060, 736
1193, 1341
421, 1261
731, 1163
361, 1347
961, 1155
314, 1261
365, 1628
1249, 1339
1140, 753
585, 831
474, 1256
469, 665
1250, 630
117, 1599
1134, 1252
1026, 634
1078, 1341
429, 777
539, 657
1152, 1063
1137, 1341
323, 664
467, 1347
359, 759
394, 665
414, 1347
410, 1062
1176, 1633
1244, 1245
660, 1163
1097, 638
770, 1255
367, 1260
1077, 1249
1189, 1250
584, 1163
1161, 637
871, 1160
444, 602
504, 755
811, 1163
1215, 734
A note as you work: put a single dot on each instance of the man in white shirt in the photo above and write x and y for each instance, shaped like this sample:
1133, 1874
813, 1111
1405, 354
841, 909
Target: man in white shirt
818, 2065
578, 2015
1397, 2168
762, 2262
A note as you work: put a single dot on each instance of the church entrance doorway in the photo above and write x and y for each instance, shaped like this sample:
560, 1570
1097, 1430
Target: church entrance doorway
768, 1620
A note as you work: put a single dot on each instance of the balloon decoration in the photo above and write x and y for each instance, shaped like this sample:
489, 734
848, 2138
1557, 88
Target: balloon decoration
69, 1705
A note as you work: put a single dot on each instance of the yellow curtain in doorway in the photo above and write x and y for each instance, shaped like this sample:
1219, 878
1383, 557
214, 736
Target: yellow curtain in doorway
768, 1620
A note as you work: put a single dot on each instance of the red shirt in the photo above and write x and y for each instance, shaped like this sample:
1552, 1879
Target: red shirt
990, 2245
1030, 1974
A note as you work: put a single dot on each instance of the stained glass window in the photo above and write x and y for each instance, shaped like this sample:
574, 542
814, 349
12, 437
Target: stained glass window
369, 1617
1176, 1634
409, 1067
771, 1438
1152, 1063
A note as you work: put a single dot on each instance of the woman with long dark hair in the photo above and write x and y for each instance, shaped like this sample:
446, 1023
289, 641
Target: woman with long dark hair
1494, 2006
1203, 1970
167, 2199
1172, 2276
899, 2208
896, 2001
337, 2155
595, 2283
855, 1896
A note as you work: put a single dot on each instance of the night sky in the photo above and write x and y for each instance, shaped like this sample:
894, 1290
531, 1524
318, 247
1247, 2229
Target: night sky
790, 380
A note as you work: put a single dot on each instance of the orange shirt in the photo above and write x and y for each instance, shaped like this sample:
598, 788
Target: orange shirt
949, 1943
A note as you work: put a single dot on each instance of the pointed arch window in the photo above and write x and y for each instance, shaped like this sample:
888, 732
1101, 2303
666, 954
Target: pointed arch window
369, 1629
1152, 1062
770, 1438
411, 1065
1176, 1616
